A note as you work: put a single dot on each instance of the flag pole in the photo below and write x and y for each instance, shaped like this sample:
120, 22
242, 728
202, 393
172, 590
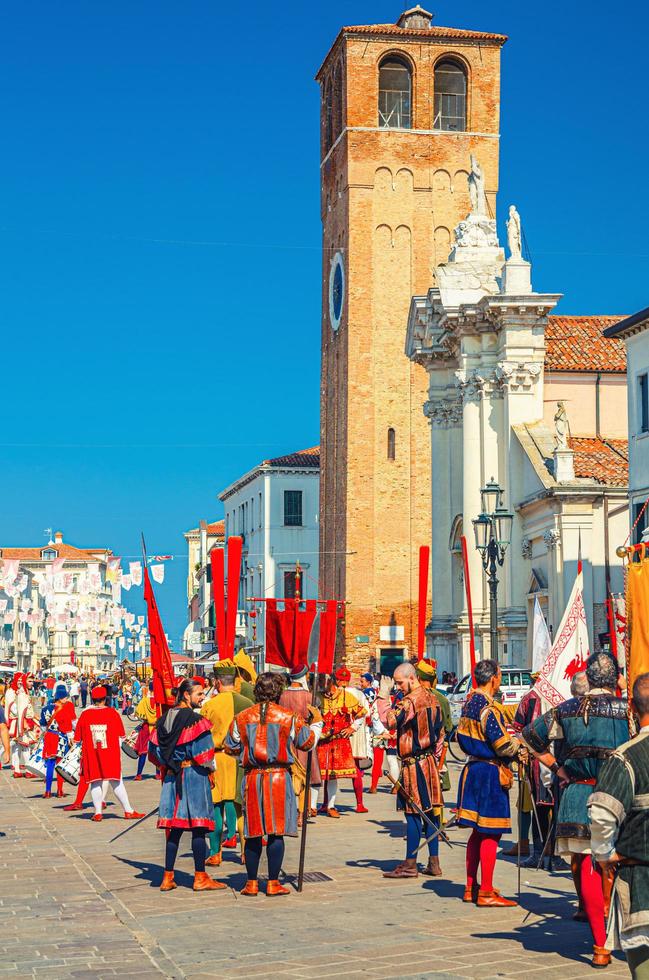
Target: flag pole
469, 606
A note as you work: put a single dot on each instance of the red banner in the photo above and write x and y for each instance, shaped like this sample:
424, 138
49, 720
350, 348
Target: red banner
328, 627
424, 561
469, 607
287, 632
163, 675
217, 559
235, 545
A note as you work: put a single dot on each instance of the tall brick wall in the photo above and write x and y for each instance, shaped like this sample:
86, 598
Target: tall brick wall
390, 200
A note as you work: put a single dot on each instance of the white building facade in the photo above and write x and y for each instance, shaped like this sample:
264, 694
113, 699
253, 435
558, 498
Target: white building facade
634, 331
198, 638
483, 336
274, 508
58, 608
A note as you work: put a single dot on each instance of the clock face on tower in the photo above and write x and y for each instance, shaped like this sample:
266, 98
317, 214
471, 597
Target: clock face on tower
336, 290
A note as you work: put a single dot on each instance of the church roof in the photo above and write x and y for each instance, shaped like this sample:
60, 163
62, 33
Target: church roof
597, 460
578, 343
602, 460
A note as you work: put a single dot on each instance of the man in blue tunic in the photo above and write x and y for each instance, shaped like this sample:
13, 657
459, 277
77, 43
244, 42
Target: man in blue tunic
182, 745
483, 794
585, 731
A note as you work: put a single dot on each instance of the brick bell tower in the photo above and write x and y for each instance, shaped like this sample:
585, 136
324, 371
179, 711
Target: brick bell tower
402, 108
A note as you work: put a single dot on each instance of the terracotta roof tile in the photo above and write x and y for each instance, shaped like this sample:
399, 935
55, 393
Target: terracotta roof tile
577, 343
434, 30
308, 458
217, 529
604, 460
62, 550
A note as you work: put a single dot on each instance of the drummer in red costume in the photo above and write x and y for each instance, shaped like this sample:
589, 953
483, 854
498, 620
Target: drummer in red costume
342, 714
58, 719
100, 730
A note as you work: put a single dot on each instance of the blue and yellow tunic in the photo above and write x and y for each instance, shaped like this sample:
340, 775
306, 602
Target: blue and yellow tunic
483, 801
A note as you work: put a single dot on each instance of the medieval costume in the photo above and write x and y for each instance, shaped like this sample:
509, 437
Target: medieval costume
220, 710
384, 746
537, 792
426, 671
58, 719
246, 675
182, 745
266, 738
619, 819
299, 701
420, 739
147, 712
100, 730
23, 729
483, 793
586, 731
342, 715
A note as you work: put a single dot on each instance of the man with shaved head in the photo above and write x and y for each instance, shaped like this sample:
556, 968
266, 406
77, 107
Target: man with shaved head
420, 738
619, 820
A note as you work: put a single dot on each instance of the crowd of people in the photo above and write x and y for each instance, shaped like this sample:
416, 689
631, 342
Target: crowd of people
250, 758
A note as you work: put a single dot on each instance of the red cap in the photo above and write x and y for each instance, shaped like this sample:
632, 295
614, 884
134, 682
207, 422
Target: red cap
343, 675
98, 693
200, 680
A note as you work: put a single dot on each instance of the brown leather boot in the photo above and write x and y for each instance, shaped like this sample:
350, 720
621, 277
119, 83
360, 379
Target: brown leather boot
471, 893
214, 860
168, 883
407, 869
203, 882
512, 852
601, 958
251, 887
433, 869
494, 900
273, 887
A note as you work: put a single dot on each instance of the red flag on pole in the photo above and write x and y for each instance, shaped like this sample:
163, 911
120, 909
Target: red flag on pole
469, 606
217, 560
424, 560
235, 546
163, 675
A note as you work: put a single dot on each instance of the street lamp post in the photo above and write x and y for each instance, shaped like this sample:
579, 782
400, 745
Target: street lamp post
493, 530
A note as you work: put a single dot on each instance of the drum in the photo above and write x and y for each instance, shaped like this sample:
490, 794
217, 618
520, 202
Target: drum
69, 768
128, 744
35, 763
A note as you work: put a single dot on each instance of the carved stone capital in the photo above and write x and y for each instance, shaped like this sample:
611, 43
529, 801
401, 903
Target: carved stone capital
517, 375
443, 412
526, 548
551, 538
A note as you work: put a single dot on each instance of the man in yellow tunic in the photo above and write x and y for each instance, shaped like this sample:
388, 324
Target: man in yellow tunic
220, 711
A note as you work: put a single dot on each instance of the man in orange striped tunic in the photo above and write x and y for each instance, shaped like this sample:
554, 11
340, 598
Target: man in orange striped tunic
266, 738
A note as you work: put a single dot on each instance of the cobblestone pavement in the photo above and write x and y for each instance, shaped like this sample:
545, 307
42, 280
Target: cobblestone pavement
75, 904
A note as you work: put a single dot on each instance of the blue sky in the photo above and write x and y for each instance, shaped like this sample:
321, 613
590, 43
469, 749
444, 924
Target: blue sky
160, 233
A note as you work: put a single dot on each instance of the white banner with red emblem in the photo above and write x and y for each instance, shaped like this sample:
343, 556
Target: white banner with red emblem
569, 652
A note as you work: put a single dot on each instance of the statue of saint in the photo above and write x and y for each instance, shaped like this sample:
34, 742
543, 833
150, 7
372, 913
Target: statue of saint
477, 188
514, 233
561, 426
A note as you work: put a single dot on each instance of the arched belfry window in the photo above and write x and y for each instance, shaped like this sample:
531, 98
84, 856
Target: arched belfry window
395, 93
450, 96
392, 446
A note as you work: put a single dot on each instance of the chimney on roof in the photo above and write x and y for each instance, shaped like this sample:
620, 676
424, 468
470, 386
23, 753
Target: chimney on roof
415, 19
58, 537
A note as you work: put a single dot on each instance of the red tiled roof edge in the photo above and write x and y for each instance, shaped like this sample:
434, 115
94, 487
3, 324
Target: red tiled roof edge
308, 458
577, 343
605, 461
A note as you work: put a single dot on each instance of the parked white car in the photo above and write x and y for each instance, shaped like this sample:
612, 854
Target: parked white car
515, 683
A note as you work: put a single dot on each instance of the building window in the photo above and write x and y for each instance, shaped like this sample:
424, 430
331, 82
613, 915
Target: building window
391, 444
639, 528
73, 638
395, 88
259, 510
643, 402
290, 585
293, 508
50, 554
450, 96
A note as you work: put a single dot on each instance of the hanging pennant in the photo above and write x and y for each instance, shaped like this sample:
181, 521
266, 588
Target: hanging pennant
158, 573
135, 570
126, 582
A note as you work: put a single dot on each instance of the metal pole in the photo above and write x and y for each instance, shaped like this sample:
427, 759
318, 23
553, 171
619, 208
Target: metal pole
493, 598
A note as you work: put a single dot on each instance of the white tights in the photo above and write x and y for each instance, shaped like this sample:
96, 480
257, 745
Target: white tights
393, 765
314, 792
99, 789
332, 789
19, 756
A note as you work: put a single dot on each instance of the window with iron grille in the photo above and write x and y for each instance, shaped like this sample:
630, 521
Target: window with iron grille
643, 399
395, 90
293, 508
450, 96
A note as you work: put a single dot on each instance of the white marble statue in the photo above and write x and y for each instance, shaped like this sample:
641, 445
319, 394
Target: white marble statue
477, 188
561, 426
514, 233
